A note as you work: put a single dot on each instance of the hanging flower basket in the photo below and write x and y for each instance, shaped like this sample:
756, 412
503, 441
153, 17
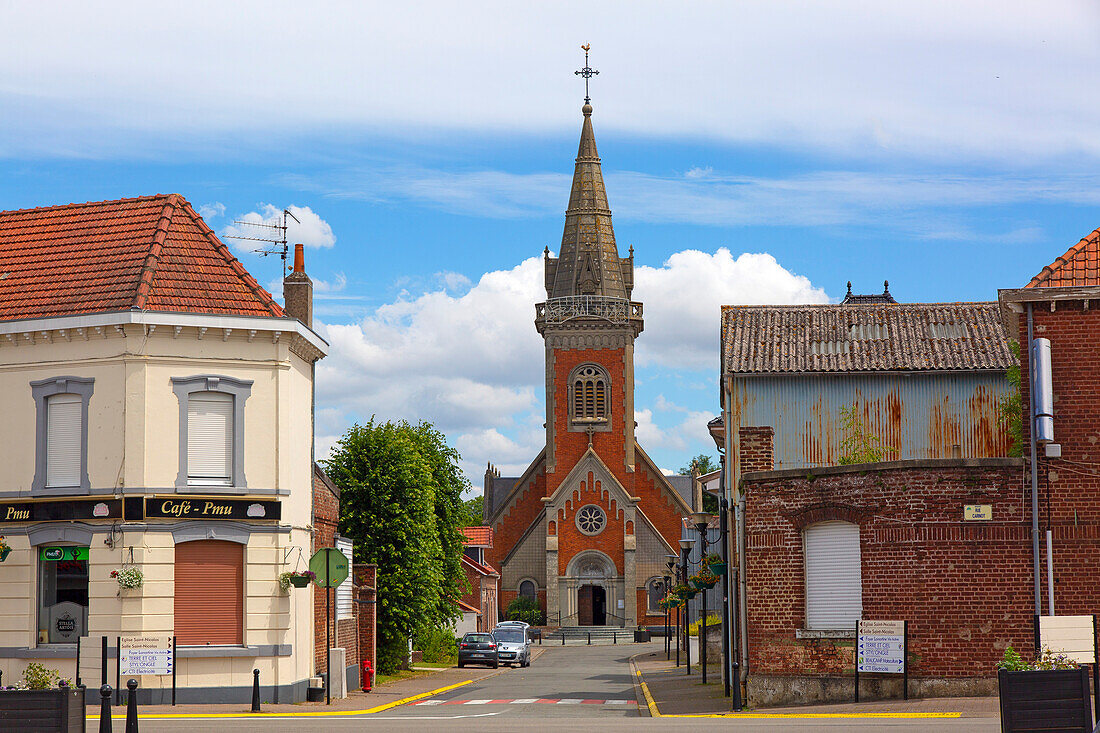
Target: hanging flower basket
299, 579
684, 592
5, 549
718, 568
668, 603
128, 577
704, 580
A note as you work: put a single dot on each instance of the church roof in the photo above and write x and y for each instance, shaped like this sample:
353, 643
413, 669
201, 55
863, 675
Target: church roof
152, 253
855, 299
588, 262
1078, 267
773, 339
682, 484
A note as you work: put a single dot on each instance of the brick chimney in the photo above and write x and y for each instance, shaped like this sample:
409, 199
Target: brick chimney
298, 290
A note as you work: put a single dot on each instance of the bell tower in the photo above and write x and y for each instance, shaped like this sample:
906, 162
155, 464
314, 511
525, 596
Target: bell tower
589, 324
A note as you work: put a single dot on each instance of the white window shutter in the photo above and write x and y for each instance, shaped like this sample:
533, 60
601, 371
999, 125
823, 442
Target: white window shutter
63, 412
834, 586
210, 438
344, 600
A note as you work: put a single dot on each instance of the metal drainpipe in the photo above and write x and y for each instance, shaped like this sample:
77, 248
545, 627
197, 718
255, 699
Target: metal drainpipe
1034, 475
742, 588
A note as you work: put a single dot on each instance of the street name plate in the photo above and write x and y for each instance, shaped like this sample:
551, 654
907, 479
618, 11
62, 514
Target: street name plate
977, 512
880, 646
145, 655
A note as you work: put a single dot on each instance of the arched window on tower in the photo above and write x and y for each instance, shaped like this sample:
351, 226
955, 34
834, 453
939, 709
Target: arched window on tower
590, 389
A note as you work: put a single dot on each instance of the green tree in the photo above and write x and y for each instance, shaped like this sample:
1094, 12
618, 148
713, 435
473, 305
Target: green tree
1010, 410
858, 445
474, 507
401, 503
705, 463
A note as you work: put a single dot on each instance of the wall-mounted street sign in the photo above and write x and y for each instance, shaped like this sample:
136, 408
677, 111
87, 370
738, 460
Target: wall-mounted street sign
881, 647
977, 512
57, 554
63, 510
145, 655
211, 507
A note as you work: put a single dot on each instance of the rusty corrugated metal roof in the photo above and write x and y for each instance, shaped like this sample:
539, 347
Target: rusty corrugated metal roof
771, 339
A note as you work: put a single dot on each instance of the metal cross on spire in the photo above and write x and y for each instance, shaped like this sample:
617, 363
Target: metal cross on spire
587, 72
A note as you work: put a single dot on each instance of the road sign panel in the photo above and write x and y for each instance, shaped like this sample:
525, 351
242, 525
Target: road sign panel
880, 646
145, 655
330, 566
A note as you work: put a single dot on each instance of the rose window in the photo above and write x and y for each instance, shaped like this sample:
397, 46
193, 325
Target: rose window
591, 519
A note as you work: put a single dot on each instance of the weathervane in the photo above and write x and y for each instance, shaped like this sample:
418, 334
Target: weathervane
586, 72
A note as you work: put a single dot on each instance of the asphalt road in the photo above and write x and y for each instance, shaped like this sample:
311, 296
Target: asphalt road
565, 689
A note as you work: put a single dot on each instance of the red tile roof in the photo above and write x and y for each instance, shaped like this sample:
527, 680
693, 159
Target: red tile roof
149, 253
478, 536
479, 567
1080, 266
468, 608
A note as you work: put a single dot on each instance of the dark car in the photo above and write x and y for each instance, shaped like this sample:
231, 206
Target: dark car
478, 649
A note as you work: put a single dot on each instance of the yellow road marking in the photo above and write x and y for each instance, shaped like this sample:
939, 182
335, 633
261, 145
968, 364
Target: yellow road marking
653, 711
322, 713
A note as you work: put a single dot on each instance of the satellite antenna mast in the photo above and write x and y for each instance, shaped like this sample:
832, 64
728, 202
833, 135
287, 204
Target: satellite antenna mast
278, 246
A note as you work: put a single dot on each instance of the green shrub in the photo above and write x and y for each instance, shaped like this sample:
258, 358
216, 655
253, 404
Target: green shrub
438, 645
37, 677
1013, 662
712, 620
525, 609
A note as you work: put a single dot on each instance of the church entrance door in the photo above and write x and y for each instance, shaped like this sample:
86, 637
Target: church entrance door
591, 605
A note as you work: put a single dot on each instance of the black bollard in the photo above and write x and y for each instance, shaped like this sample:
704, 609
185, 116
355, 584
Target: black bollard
131, 707
105, 709
255, 690
589, 638
1, 678
614, 637
563, 638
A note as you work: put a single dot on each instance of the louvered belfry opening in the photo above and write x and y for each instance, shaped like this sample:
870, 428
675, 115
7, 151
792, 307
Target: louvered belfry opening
209, 597
589, 395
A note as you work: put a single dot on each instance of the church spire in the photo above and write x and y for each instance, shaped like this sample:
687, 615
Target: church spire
588, 262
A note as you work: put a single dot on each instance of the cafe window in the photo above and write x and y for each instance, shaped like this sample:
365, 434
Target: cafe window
62, 594
209, 593
211, 427
61, 433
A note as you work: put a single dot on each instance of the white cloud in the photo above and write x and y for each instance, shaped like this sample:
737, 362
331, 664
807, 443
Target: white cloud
453, 281
472, 362
936, 77
682, 301
309, 229
828, 198
212, 211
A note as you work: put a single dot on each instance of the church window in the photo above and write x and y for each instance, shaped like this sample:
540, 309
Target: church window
527, 589
589, 386
591, 519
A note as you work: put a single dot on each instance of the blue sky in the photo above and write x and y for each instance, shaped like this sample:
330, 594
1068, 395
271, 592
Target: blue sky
757, 152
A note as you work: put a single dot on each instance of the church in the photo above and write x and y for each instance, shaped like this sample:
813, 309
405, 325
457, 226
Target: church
587, 529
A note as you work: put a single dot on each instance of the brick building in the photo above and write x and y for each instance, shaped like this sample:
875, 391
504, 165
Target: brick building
483, 596
587, 526
825, 545
343, 632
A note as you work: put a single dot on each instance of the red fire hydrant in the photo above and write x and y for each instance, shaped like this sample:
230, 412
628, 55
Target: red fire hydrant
368, 676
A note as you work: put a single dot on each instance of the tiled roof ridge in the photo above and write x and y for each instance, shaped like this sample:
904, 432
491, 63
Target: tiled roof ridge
856, 306
152, 259
77, 205
234, 264
1059, 262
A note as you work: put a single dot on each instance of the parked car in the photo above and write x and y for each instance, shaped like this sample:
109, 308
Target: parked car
478, 649
533, 634
522, 624
513, 645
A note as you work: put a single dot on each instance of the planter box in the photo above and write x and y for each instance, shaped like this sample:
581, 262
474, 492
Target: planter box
1056, 700
641, 635
53, 711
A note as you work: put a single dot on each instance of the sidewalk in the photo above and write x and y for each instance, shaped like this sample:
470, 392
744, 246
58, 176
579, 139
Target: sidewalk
673, 692
382, 697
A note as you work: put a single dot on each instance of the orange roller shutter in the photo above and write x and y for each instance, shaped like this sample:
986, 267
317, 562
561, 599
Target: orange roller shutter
209, 601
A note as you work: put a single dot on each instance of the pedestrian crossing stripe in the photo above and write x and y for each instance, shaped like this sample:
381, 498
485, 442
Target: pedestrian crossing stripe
528, 701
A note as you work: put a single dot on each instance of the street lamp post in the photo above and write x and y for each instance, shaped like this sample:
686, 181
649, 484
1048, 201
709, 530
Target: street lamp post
701, 520
673, 572
685, 549
668, 613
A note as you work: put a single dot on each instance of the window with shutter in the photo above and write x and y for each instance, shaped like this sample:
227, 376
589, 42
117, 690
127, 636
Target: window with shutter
344, 601
210, 439
834, 585
209, 594
63, 440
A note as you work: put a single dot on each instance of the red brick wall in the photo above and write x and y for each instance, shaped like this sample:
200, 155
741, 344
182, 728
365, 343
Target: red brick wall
757, 452
964, 587
366, 578
326, 516
1069, 487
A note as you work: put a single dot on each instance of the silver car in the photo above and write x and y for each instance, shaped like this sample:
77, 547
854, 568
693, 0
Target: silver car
513, 645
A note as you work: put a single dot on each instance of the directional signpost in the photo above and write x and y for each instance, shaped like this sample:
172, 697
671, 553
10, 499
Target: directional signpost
882, 647
330, 566
145, 655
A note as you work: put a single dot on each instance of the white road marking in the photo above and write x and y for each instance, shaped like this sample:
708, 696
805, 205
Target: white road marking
570, 701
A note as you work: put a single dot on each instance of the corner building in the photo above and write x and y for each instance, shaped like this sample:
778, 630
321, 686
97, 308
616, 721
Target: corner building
157, 417
586, 529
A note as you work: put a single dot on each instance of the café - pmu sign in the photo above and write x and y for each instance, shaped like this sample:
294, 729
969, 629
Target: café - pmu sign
203, 507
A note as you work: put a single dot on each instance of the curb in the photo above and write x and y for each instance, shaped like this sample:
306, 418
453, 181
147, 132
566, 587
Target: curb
641, 692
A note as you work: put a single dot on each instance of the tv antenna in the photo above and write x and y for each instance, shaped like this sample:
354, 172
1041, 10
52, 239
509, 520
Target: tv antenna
278, 245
